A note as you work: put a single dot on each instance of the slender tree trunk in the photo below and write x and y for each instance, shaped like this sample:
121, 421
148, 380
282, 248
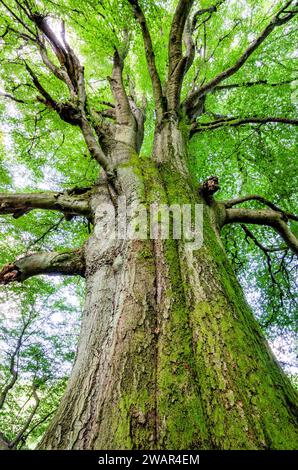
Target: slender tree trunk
169, 356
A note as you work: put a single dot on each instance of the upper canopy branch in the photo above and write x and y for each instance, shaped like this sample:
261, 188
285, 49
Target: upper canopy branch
74, 111
179, 64
122, 110
69, 263
283, 16
20, 203
250, 84
150, 57
236, 122
210, 10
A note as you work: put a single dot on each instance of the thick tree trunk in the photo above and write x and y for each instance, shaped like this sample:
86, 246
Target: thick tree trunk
170, 356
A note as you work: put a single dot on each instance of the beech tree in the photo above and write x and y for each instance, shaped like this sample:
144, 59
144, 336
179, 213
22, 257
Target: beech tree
177, 102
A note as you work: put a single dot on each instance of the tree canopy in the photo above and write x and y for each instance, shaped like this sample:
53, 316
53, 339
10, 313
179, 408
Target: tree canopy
240, 95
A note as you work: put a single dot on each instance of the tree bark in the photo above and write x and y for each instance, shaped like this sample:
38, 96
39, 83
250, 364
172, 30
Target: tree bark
170, 355
69, 263
20, 203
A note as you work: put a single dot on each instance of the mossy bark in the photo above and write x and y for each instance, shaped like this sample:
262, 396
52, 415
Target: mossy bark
170, 355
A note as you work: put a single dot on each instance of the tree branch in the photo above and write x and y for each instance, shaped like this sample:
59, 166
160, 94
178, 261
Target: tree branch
52, 263
255, 197
210, 10
19, 204
122, 110
42, 420
13, 368
265, 249
11, 97
270, 218
282, 17
14, 363
179, 64
250, 84
236, 122
14, 443
155, 79
71, 72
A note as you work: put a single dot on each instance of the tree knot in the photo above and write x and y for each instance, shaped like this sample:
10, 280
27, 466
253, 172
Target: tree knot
209, 187
9, 273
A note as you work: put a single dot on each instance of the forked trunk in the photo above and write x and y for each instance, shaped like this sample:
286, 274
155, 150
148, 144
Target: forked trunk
170, 356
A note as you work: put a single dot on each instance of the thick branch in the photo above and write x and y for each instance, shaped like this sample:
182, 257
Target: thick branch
122, 110
53, 263
19, 204
65, 55
282, 17
255, 197
94, 146
60, 73
178, 64
155, 79
236, 122
270, 218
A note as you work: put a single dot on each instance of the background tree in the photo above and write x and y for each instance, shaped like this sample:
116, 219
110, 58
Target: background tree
37, 344
169, 354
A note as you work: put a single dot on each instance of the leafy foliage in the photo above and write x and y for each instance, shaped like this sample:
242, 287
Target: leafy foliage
39, 151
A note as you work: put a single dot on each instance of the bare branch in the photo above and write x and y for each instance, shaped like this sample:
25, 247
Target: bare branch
94, 147
270, 218
265, 249
11, 97
52, 228
210, 10
283, 16
236, 122
255, 197
179, 64
122, 111
155, 79
18, 19
14, 362
60, 73
52, 263
45, 96
250, 84
20, 203
72, 73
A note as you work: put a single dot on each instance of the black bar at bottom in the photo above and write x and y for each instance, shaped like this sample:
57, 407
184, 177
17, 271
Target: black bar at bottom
131, 459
